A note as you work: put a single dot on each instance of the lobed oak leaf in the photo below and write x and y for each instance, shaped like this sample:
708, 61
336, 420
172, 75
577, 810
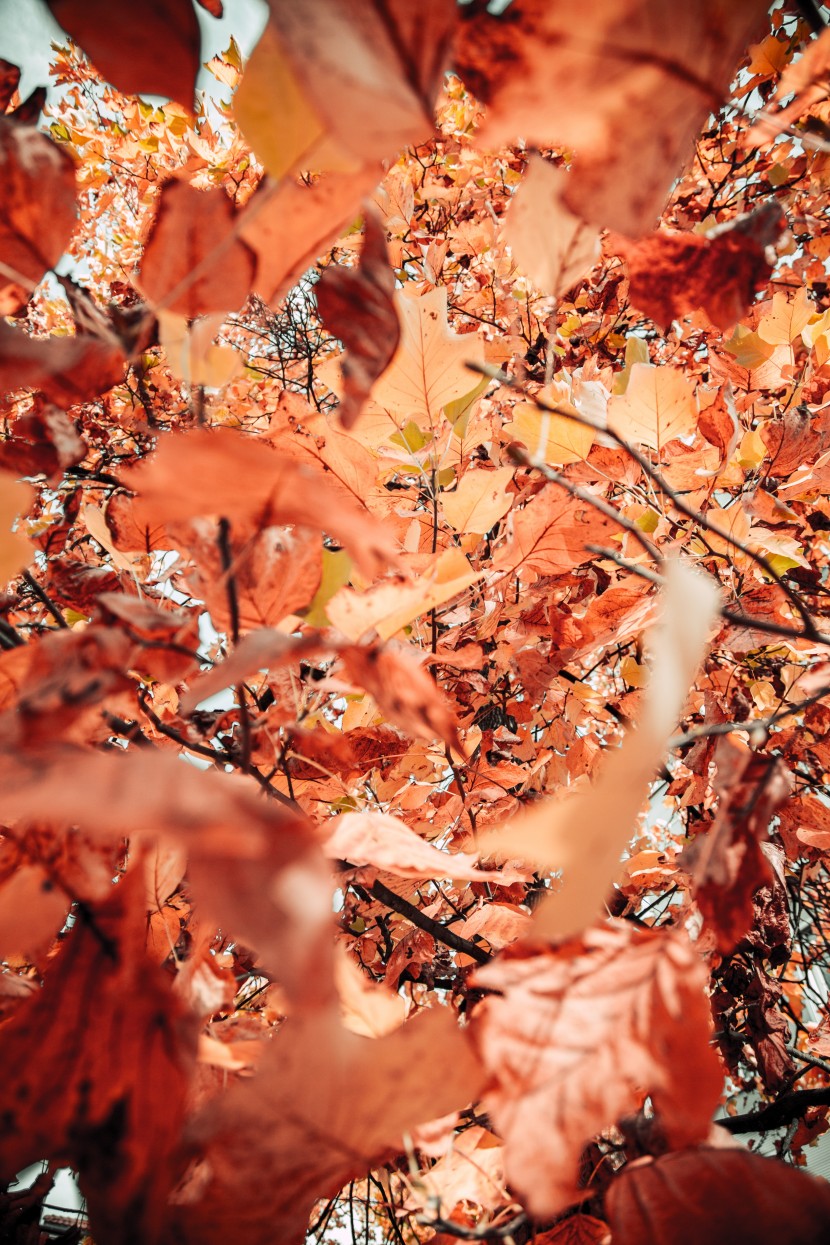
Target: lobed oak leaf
429, 369
143, 47
357, 306
720, 1195
588, 82
192, 263
551, 245
37, 210
576, 1036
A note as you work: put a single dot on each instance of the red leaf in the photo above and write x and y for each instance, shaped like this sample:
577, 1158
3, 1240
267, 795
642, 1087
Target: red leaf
183, 268
579, 1035
720, 1196
143, 47
37, 209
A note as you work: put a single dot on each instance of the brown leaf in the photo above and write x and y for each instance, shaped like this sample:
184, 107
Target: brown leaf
227, 473
37, 210
143, 47
181, 269
673, 273
576, 1230
258, 650
806, 78
356, 305
9, 78
720, 1196
276, 573
113, 1101
726, 862
576, 1036
43, 441
326, 1106
589, 81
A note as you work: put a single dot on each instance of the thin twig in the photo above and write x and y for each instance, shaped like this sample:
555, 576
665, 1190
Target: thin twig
749, 724
45, 600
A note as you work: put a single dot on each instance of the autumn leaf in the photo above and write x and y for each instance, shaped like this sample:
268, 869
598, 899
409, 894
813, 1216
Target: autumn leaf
429, 369
15, 551
228, 474
65, 369
192, 262
331, 1104
144, 47
584, 832
404, 690
551, 534
340, 85
114, 1102
726, 862
389, 845
389, 607
657, 406
37, 210
575, 1036
479, 501
357, 307
736, 1195
551, 245
673, 274
610, 70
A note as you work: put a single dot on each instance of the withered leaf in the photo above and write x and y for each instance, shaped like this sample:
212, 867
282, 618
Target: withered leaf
726, 862
326, 1106
66, 369
227, 473
357, 306
588, 81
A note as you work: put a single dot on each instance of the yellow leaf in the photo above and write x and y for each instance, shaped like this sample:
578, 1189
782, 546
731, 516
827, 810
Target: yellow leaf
553, 438
393, 605
288, 134
429, 369
749, 349
658, 405
787, 318
479, 501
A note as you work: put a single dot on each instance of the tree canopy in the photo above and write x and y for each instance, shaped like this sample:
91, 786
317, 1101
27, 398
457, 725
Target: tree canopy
414, 681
